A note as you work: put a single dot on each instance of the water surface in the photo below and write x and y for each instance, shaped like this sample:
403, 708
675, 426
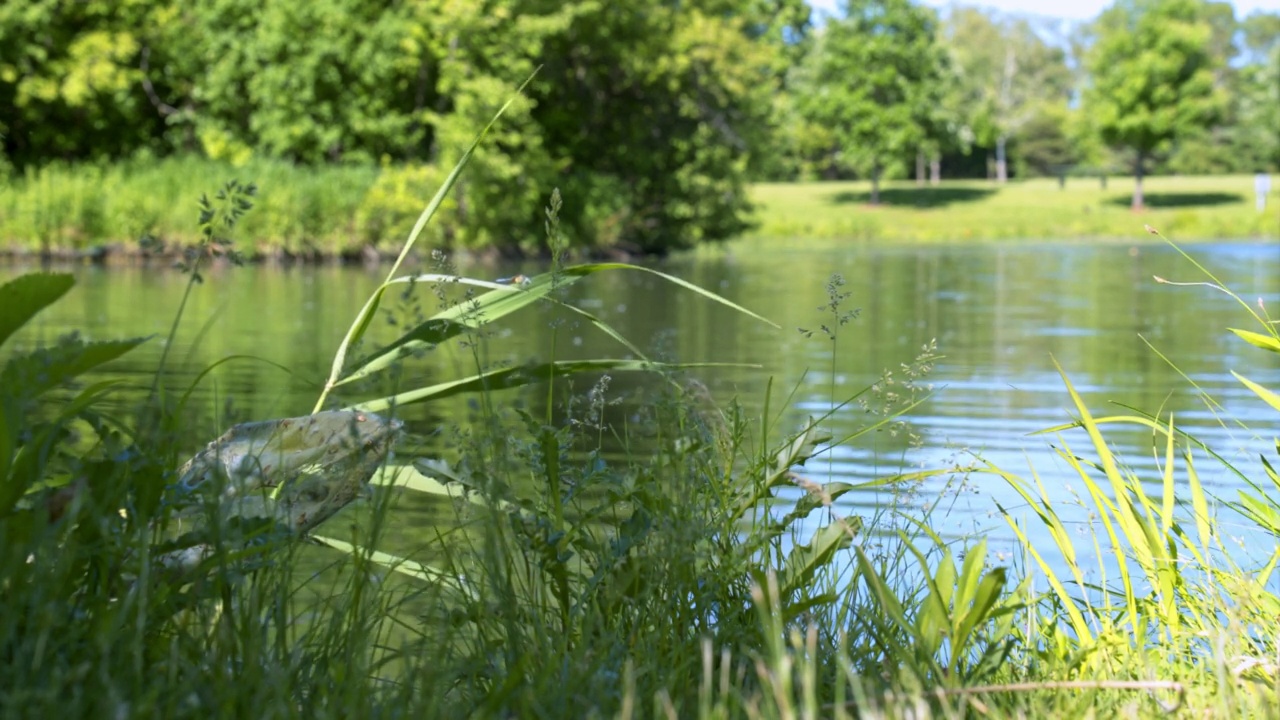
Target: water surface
1000, 316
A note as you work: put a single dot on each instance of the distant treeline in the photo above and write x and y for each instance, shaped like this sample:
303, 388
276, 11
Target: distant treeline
651, 117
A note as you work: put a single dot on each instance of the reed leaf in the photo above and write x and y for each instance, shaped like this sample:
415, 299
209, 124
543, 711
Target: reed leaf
1116, 527
409, 477
1084, 633
1166, 510
404, 566
1266, 342
361, 324
1267, 396
1199, 506
499, 302
512, 377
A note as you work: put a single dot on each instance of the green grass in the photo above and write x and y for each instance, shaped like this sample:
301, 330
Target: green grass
1189, 208
301, 211
341, 210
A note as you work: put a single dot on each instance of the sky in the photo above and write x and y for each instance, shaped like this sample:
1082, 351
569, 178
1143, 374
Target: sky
1064, 9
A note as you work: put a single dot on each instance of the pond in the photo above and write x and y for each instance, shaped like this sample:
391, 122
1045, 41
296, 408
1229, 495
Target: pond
1000, 316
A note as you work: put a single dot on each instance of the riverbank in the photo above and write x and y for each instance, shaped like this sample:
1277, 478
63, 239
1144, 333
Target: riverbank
364, 212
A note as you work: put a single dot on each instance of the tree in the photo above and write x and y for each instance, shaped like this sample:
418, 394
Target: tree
329, 80
655, 111
70, 81
1043, 145
1257, 100
1216, 149
875, 81
1153, 78
1006, 75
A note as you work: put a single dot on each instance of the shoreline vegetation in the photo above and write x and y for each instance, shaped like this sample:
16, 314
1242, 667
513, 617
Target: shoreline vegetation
357, 212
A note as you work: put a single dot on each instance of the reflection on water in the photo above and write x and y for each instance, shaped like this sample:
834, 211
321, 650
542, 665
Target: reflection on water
1001, 316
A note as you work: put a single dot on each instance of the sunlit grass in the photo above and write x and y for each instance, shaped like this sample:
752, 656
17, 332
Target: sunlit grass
61, 208
336, 210
1189, 208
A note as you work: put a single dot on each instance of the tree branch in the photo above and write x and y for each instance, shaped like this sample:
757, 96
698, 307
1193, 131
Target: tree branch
161, 106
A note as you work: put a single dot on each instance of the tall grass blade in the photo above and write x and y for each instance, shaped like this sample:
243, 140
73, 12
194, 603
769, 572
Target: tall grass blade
430, 210
1267, 396
365, 316
542, 284
1266, 342
1099, 443
1271, 471
401, 565
1199, 506
513, 377
501, 301
1215, 282
1078, 623
1166, 509
1040, 506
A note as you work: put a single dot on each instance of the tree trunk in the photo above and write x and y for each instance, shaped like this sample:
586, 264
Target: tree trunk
875, 183
1138, 202
919, 168
1002, 163
935, 170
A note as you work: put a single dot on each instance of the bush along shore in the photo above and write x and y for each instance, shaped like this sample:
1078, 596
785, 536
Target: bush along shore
143, 208
701, 572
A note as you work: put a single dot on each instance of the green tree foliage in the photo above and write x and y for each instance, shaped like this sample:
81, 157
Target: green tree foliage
70, 81
1245, 137
875, 82
1007, 78
1043, 146
324, 80
1256, 104
656, 110
649, 114
1152, 78
1212, 149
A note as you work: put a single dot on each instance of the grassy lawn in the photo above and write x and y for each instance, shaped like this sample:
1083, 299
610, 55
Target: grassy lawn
340, 210
1184, 208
